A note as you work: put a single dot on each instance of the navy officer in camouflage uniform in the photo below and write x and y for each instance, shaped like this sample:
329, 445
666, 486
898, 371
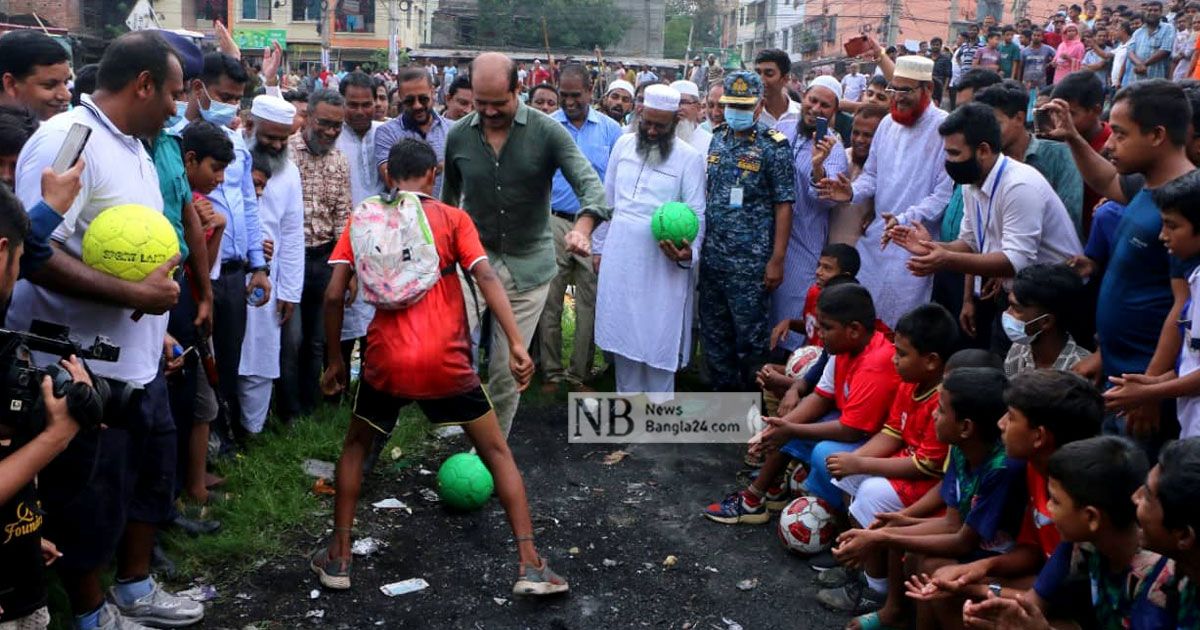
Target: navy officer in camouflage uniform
751, 186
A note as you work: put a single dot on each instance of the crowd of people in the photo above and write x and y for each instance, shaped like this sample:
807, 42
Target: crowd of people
990, 252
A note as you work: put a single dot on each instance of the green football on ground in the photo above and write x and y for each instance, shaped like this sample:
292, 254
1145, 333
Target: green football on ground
464, 482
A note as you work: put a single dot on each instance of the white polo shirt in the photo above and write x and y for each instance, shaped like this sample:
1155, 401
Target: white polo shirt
119, 171
1021, 217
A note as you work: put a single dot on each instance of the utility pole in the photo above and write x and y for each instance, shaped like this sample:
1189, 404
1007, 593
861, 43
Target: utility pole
393, 45
951, 36
687, 54
324, 25
893, 31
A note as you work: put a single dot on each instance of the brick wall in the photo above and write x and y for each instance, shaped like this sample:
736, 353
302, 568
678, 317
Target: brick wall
60, 13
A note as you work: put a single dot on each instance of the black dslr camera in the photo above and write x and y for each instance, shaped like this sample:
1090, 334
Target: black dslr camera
21, 406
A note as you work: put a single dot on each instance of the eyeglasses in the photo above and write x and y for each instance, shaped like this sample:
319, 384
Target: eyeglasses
899, 91
328, 124
411, 100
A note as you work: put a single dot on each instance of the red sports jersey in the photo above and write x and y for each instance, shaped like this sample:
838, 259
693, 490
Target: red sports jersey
424, 351
813, 336
864, 385
911, 420
1038, 529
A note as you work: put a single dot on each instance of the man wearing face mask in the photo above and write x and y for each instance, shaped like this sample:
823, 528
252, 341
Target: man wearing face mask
1044, 301
214, 97
417, 119
1011, 219
751, 187
815, 158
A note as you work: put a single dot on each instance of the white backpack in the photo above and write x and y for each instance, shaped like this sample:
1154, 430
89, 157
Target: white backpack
395, 256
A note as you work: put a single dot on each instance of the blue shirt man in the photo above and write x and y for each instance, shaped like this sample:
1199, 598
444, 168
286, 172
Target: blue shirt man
235, 198
595, 140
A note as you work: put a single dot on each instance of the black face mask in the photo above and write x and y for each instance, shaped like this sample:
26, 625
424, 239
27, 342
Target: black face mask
965, 172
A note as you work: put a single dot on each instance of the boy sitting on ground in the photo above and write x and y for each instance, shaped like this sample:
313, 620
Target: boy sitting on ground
836, 260
422, 354
1047, 409
902, 462
1042, 302
983, 492
848, 406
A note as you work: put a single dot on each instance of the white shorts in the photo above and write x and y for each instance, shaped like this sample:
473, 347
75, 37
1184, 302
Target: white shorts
872, 495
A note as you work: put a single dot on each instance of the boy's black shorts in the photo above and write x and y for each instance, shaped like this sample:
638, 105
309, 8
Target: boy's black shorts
105, 478
382, 410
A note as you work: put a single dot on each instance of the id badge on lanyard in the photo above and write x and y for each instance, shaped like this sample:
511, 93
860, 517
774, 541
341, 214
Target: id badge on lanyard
982, 222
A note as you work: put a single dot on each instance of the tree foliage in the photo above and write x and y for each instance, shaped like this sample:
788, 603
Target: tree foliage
570, 24
706, 15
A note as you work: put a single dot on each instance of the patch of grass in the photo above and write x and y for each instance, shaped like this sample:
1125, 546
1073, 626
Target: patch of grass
271, 498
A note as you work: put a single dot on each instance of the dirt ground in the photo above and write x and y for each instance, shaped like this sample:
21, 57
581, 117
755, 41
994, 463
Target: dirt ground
624, 519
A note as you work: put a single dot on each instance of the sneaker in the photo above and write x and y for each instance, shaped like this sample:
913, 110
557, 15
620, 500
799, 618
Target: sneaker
835, 577
777, 498
823, 561
160, 609
334, 573
539, 581
732, 510
854, 597
111, 619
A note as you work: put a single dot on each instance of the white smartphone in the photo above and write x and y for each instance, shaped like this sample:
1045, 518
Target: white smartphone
72, 147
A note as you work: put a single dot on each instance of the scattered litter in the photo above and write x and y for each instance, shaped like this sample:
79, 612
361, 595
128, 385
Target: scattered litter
635, 486
390, 503
670, 561
500, 600
318, 468
731, 624
322, 487
366, 546
748, 584
615, 457
424, 471
396, 453
429, 494
648, 565
574, 551
411, 585
610, 563
447, 432
315, 593
315, 614
201, 593
244, 596
713, 569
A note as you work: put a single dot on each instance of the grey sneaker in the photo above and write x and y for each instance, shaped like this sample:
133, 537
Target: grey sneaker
539, 581
160, 609
333, 572
854, 597
835, 577
111, 619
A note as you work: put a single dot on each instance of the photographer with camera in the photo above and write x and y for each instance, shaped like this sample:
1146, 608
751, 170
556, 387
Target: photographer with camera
110, 490
22, 456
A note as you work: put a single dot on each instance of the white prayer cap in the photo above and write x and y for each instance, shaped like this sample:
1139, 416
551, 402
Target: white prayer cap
661, 97
273, 109
687, 87
829, 83
914, 67
620, 84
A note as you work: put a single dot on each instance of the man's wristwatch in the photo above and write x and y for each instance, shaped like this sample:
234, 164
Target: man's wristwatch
263, 268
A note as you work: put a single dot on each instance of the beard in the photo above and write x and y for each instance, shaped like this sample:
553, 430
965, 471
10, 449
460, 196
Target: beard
909, 117
275, 159
685, 129
315, 147
655, 150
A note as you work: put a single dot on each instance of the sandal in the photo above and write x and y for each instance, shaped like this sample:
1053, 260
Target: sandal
333, 573
871, 621
539, 581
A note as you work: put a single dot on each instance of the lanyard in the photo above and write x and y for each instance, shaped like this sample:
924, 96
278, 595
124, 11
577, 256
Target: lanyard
981, 223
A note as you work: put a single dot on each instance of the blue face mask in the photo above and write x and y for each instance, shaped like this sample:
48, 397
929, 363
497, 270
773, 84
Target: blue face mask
1015, 329
180, 108
739, 119
218, 113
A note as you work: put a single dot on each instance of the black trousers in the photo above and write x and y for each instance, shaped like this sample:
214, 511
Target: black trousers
181, 386
229, 329
302, 350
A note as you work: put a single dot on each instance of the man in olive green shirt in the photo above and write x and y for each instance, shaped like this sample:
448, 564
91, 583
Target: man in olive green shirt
500, 165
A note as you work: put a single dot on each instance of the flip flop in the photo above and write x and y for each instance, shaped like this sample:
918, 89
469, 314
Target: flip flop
871, 621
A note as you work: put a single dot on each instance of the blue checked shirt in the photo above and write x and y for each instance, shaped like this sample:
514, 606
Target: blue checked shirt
595, 140
392, 131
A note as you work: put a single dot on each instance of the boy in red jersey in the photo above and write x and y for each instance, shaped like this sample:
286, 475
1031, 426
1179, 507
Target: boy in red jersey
422, 354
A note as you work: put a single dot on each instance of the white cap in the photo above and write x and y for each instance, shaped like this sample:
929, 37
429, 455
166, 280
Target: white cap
620, 84
661, 97
914, 67
687, 87
829, 83
273, 109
